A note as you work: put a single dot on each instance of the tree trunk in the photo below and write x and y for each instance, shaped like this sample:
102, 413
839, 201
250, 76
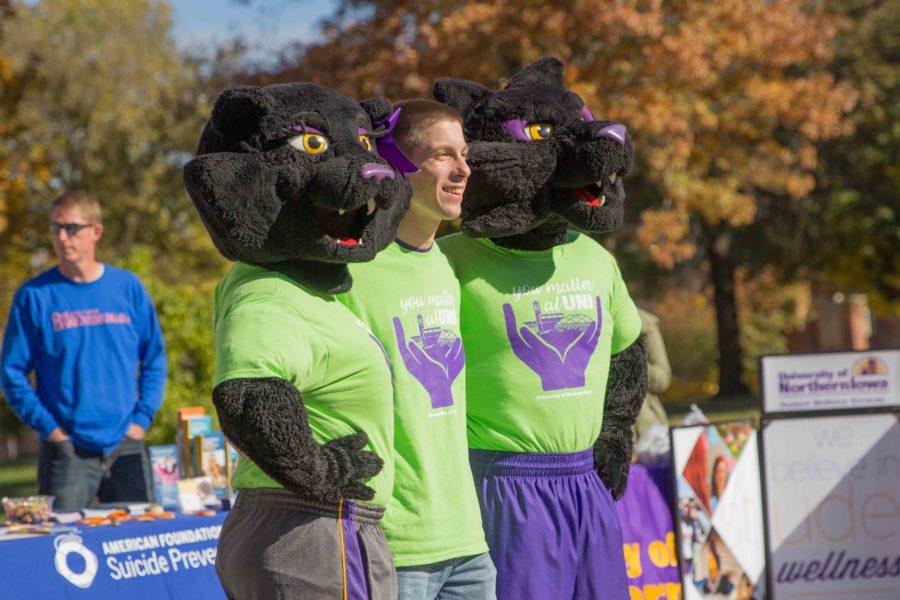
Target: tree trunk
731, 368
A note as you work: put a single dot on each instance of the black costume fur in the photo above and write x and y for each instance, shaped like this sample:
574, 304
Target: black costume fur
519, 187
625, 393
525, 193
268, 202
266, 419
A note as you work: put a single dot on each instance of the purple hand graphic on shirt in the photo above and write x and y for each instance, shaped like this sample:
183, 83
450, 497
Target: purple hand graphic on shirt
435, 364
558, 349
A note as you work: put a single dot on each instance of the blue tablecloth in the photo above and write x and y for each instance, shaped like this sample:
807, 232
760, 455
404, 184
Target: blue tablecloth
171, 558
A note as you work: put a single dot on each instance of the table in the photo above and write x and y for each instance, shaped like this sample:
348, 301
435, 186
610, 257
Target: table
167, 558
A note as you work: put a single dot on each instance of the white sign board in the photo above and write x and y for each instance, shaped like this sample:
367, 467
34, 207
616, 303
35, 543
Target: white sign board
831, 381
719, 516
833, 506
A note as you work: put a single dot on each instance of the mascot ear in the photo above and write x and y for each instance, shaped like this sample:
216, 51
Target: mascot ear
378, 108
238, 112
384, 117
545, 71
459, 93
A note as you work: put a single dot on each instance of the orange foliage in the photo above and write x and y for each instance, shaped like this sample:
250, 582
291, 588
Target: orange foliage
687, 323
769, 310
722, 98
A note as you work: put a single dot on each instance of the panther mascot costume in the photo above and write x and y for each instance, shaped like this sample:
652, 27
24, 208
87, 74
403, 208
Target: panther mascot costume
288, 184
557, 368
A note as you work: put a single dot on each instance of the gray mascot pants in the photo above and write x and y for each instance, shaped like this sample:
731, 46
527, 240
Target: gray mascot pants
275, 544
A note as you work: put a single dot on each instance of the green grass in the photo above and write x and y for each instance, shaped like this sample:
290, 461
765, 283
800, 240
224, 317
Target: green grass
18, 478
717, 409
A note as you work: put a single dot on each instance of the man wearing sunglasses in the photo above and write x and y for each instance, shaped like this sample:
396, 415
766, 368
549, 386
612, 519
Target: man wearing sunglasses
90, 334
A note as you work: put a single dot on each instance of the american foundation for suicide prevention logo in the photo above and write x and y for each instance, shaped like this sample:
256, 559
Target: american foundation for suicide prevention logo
66, 545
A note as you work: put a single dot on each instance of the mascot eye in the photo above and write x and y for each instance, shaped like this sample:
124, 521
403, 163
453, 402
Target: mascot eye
365, 141
538, 131
311, 143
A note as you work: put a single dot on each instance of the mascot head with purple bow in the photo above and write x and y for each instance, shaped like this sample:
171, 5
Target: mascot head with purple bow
287, 177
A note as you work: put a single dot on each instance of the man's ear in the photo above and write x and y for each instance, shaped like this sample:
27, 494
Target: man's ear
459, 93
544, 71
238, 112
378, 108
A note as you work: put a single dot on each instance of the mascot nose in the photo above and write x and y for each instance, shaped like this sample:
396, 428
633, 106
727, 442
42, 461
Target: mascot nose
379, 172
614, 132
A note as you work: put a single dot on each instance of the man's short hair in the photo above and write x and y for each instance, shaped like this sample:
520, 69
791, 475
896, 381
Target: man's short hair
87, 204
417, 117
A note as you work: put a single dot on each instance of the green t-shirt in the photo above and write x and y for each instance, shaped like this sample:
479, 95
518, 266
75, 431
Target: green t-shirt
410, 300
269, 326
540, 328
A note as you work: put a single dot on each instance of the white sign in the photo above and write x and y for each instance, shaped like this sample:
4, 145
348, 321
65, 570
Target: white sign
719, 514
833, 500
831, 381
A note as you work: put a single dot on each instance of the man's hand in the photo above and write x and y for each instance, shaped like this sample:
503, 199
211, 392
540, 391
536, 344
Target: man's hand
135, 432
57, 435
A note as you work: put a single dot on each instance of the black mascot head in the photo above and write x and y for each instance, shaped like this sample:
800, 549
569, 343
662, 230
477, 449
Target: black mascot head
287, 177
538, 156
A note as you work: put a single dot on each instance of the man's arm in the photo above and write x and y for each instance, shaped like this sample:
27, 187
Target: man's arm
152, 354
16, 363
660, 372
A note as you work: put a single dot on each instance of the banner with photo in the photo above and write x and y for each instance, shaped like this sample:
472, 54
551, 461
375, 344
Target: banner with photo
833, 506
830, 381
719, 511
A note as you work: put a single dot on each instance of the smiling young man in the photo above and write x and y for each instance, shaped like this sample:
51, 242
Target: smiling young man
409, 297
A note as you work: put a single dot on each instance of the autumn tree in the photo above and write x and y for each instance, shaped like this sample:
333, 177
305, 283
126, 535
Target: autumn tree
96, 96
725, 100
22, 168
18, 173
856, 208
116, 109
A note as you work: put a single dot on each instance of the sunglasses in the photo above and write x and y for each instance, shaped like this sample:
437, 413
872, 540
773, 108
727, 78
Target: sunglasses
70, 228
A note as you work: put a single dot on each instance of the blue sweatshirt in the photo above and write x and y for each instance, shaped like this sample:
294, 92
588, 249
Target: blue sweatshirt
97, 353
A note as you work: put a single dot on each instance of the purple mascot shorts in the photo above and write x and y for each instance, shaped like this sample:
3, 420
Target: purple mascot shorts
551, 526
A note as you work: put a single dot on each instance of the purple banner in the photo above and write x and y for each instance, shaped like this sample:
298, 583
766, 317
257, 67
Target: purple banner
648, 539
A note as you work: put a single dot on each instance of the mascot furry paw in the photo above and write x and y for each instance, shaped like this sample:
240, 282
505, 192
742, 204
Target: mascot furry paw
541, 162
286, 179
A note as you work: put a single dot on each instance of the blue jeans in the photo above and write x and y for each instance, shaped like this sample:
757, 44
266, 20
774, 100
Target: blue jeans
465, 578
75, 476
